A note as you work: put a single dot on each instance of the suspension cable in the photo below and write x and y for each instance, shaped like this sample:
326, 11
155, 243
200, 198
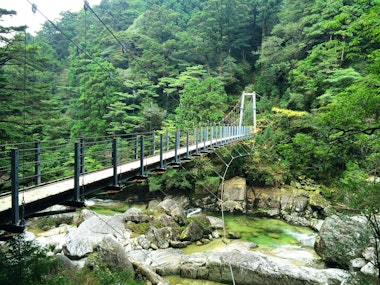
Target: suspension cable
78, 46
123, 47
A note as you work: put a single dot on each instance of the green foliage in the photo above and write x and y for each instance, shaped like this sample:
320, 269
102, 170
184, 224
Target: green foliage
202, 101
95, 272
23, 262
171, 180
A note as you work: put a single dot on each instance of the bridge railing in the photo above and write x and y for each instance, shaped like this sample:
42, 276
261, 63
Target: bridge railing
40, 162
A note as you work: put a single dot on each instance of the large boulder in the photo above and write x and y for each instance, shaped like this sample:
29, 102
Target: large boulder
235, 194
174, 209
248, 267
254, 268
112, 252
79, 242
192, 232
342, 239
157, 237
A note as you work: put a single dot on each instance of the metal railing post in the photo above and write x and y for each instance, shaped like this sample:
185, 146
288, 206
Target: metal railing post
220, 135
37, 162
187, 144
176, 160
82, 170
142, 171
211, 137
196, 141
115, 161
15, 186
161, 151
77, 171
205, 136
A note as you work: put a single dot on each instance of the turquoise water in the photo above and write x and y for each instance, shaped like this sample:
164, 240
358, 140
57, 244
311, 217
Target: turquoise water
266, 233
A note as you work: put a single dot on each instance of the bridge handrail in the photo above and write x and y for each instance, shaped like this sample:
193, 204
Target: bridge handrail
42, 162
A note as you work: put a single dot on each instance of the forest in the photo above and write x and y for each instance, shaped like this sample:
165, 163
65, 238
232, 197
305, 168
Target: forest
127, 66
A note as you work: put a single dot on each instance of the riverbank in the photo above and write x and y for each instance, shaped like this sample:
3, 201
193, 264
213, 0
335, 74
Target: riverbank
159, 238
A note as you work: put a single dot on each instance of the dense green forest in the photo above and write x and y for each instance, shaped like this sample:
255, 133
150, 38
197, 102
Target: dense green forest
129, 66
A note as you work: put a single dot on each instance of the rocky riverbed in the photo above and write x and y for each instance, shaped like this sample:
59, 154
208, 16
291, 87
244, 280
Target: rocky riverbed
160, 239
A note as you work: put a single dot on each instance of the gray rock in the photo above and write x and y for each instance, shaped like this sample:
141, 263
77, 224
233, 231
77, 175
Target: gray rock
233, 206
235, 189
369, 269
81, 241
143, 242
233, 235
342, 239
316, 224
134, 215
369, 254
295, 219
167, 221
293, 201
192, 232
357, 263
174, 209
65, 262
79, 247
253, 268
157, 237
112, 252
235, 195
215, 234
215, 223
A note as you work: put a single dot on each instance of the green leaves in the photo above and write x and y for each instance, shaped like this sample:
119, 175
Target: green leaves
202, 101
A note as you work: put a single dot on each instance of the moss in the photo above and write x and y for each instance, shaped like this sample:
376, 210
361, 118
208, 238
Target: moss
138, 228
202, 222
317, 201
114, 208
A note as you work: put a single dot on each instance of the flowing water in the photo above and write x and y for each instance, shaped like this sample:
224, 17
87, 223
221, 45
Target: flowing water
272, 236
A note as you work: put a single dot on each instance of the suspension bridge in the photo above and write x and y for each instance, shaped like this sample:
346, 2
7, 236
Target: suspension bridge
40, 174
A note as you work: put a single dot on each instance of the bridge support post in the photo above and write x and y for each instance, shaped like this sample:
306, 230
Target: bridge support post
161, 151
205, 137
15, 186
221, 128
187, 145
142, 171
81, 154
176, 160
211, 137
37, 162
77, 171
115, 161
196, 141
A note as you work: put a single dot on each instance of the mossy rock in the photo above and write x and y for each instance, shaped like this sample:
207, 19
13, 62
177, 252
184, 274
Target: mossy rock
317, 201
203, 222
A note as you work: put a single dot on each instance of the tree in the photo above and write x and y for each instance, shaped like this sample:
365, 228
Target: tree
202, 101
23, 262
6, 35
